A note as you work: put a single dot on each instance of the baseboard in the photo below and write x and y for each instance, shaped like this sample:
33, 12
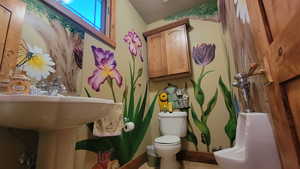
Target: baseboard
135, 163
194, 156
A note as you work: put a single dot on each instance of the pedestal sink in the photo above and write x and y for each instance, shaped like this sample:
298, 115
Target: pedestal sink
56, 118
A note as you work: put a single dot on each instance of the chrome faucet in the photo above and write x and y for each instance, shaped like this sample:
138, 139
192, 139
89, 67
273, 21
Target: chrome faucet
51, 88
242, 82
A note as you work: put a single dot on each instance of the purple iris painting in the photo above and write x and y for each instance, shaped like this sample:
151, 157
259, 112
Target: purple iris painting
204, 54
135, 44
106, 69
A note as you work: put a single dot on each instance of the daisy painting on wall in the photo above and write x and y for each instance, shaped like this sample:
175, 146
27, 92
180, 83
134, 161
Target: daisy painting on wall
51, 47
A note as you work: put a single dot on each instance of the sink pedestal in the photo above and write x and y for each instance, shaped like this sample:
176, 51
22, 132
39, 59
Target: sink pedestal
57, 119
56, 149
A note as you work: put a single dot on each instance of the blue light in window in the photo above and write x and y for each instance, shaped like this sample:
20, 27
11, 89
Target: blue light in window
90, 11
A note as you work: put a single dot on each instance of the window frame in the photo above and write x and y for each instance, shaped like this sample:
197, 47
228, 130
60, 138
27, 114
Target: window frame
108, 38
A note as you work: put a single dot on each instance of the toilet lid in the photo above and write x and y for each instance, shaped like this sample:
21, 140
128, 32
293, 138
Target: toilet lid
167, 140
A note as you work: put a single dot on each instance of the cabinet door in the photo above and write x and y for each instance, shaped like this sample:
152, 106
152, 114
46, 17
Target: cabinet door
11, 19
177, 51
157, 61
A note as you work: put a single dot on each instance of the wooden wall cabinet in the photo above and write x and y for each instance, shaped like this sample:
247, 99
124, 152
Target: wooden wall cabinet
11, 19
168, 51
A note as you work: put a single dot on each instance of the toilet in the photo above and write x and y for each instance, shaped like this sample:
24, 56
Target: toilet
173, 126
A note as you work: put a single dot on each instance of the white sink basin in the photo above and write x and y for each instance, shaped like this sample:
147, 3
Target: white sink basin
52, 112
57, 119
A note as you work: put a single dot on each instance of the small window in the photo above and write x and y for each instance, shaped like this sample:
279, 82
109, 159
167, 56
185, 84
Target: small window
96, 16
92, 11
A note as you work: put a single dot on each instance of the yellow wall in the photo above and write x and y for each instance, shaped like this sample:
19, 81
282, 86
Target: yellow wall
127, 20
202, 32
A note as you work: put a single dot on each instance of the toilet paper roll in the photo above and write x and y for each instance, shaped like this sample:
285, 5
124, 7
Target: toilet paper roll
129, 126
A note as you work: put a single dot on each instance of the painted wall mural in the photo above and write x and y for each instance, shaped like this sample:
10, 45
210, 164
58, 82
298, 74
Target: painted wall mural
205, 11
203, 55
106, 70
35, 62
239, 42
121, 148
52, 46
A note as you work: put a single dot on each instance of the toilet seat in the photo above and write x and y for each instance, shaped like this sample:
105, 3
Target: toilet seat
167, 140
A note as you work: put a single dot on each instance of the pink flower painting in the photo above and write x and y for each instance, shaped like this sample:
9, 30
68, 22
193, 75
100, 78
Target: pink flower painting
106, 69
135, 44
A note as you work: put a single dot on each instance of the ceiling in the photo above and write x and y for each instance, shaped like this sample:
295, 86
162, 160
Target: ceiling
153, 10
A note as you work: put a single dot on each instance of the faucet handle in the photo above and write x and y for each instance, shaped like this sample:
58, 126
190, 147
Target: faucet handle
252, 69
265, 71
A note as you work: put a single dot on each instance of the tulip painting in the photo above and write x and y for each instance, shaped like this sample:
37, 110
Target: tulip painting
134, 44
106, 69
204, 54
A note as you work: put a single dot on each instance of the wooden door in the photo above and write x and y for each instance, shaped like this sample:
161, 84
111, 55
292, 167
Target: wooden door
275, 26
157, 63
11, 18
177, 51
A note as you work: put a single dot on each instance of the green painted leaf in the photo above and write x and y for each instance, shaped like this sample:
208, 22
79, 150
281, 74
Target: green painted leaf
137, 108
210, 106
125, 93
131, 75
230, 130
137, 140
191, 137
227, 97
230, 127
120, 145
201, 77
202, 127
141, 110
131, 104
199, 94
198, 91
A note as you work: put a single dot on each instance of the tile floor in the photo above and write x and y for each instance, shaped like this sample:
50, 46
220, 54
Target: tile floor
189, 165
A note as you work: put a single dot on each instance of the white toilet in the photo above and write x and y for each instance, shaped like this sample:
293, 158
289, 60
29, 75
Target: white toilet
172, 127
255, 146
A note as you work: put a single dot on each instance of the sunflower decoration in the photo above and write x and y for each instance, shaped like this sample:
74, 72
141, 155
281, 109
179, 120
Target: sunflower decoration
32, 60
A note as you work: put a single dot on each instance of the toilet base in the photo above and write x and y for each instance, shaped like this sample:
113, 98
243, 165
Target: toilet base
169, 162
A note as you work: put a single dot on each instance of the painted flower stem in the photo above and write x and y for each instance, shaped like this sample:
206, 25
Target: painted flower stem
201, 106
207, 148
110, 83
133, 61
190, 126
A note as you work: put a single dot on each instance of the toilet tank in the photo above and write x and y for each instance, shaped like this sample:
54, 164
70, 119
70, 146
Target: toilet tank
174, 123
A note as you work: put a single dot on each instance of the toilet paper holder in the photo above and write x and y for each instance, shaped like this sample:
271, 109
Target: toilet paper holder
128, 125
